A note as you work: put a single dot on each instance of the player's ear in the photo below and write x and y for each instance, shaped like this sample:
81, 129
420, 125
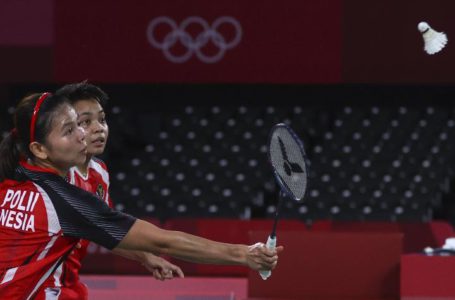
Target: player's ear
38, 150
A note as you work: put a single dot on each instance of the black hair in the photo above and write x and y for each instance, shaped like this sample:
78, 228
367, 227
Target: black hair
16, 144
83, 90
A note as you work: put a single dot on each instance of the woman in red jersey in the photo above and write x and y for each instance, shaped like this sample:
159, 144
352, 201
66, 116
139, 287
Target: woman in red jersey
92, 175
43, 217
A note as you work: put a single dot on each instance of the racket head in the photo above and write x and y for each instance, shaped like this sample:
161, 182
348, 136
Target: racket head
289, 161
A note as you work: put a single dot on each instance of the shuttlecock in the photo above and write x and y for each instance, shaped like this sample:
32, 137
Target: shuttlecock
434, 41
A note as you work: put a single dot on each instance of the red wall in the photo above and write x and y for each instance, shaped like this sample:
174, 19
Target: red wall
329, 265
290, 41
296, 42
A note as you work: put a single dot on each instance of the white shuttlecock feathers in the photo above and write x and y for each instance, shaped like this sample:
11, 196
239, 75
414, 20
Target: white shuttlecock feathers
433, 41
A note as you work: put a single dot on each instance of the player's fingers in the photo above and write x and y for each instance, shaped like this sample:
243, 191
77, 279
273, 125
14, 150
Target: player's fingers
260, 248
256, 246
262, 258
272, 252
178, 271
168, 274
268, 259
274, 265
157, 274
268, 252
264, 262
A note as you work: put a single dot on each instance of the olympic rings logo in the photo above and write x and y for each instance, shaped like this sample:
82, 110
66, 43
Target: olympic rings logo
193, 45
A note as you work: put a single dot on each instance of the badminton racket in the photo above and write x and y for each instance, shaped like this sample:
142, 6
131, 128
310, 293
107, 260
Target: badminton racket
290, 169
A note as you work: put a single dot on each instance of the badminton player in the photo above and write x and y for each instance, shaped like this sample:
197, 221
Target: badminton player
43, 217
88, 101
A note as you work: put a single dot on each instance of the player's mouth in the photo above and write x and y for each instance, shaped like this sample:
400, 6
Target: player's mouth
99, 142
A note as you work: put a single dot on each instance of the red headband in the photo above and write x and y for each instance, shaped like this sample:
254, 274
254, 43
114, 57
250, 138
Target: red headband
35, 115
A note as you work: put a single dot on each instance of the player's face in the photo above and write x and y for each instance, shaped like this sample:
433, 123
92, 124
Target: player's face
65, 145
92, 118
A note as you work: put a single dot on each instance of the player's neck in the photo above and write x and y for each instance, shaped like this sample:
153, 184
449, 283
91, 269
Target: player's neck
83, 168
45, 164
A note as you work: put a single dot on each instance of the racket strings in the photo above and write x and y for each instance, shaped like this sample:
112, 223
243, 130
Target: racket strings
288, 159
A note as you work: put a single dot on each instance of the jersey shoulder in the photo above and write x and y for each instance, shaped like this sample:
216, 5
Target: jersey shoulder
97, 161
98, 169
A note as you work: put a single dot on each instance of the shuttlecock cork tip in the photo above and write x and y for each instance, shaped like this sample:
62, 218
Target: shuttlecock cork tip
423, 26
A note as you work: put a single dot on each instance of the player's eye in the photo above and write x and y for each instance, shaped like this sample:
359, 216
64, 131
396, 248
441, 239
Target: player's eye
103, 120
69, 131
84, 123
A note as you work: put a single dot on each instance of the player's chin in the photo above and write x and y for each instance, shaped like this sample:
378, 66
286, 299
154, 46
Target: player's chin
97, 150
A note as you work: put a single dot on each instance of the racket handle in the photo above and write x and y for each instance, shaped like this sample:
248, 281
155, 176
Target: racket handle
271, 244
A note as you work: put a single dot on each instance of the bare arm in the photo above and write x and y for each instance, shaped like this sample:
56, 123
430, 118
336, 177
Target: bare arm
138, 256
159, 267
148, 237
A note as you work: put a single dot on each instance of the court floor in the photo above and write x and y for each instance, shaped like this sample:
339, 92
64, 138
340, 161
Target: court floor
143, 287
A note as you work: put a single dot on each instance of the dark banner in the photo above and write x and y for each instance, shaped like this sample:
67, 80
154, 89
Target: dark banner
26, 41
296, 41
381, 43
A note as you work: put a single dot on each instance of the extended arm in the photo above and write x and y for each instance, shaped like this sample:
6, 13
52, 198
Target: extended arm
148, 237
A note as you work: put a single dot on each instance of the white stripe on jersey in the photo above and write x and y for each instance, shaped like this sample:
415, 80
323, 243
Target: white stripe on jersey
53, 223
9, 275
73, 172
52, 293
48, 246
98, 168
42, 279
72, 177
57, 275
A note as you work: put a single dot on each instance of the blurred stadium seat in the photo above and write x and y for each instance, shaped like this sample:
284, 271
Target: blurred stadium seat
391, 162
368, 163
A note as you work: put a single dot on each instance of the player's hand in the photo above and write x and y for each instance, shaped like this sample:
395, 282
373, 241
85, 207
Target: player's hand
161, 268
77, 246
261, 258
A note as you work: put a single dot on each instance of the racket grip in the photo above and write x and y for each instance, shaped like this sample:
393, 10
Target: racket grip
271, 244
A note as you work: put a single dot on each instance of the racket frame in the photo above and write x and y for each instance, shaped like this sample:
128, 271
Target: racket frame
285, 191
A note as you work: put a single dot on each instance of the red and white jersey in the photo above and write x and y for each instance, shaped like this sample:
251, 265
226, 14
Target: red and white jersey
96, 180
65, 280
42, 217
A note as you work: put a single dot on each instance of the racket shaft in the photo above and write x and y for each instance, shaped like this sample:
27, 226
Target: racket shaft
271, 244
